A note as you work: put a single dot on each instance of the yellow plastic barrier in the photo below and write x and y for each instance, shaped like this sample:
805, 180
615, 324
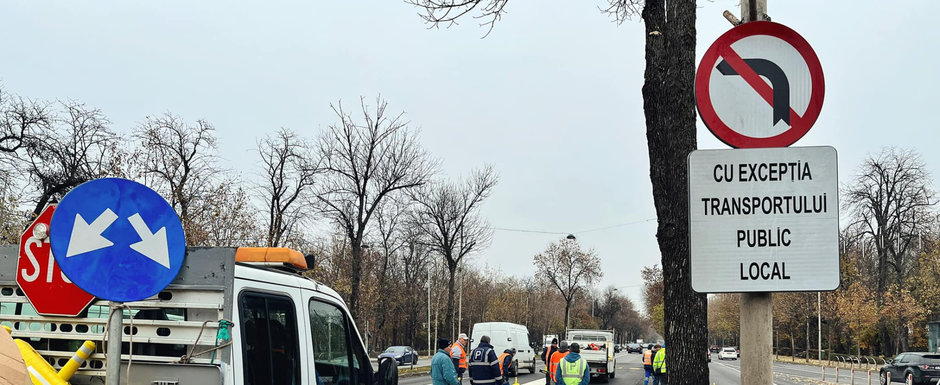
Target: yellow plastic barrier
41, 373
39, 370
77, 360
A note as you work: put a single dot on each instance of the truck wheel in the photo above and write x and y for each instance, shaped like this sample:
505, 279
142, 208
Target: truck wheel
532, 368
613, 374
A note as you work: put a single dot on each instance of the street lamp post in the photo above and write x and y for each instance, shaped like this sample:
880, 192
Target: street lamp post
430, 349
460, 304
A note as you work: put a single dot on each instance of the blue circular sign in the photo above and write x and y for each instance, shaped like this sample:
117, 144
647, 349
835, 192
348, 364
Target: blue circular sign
117, 239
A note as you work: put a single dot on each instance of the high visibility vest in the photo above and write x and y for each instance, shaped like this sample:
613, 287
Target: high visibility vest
572, 373
501, 358
462, 362
648, 357
553, 365
659, 363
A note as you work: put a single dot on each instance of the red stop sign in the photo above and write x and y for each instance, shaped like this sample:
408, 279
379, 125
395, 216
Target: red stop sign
40, 278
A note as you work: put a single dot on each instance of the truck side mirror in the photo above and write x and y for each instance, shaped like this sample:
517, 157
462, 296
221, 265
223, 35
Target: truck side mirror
388, 372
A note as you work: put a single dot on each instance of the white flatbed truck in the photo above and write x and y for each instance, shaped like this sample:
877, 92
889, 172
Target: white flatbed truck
597, 348
283, 328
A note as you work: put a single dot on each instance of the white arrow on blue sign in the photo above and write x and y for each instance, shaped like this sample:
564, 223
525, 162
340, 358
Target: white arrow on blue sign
117, 239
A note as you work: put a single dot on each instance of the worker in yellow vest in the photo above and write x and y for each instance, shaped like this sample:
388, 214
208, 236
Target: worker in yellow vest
659, 367
573, 369
648, 362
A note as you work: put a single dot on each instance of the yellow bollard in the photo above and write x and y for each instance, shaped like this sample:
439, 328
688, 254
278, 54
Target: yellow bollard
77, 360
40, 372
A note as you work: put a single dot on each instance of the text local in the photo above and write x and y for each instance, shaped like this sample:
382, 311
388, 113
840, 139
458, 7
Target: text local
762, 172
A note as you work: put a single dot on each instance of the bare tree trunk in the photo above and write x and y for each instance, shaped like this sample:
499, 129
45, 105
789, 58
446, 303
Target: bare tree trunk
807, 340
567, 314
356, 278
449, 322
669, 106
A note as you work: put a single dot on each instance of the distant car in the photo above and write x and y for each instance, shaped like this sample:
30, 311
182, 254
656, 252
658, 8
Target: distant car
714, 349
737, 350
727, 354
912, 368
403, 354
634, 348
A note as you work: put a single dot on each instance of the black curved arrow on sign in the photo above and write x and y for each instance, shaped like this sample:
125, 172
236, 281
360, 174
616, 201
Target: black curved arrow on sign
778, 80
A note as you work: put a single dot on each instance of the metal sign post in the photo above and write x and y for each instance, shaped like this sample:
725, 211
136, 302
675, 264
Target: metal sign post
115, 330
761, 221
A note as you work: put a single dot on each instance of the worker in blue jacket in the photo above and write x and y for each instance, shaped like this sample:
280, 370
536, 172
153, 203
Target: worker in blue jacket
573, 369
483, 364
442, 368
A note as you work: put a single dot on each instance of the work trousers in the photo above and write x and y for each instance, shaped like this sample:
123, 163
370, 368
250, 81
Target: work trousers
659, 379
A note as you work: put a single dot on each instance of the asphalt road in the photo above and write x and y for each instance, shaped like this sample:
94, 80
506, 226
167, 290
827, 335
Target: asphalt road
785, 373
629, 372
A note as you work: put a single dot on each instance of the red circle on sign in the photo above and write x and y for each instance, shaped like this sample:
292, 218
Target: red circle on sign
799, 125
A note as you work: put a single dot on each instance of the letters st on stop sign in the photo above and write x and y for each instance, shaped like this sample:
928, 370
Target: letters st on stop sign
42, 281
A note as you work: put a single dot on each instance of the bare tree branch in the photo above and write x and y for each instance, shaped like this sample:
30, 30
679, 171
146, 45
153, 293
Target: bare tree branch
448, 215
363, 164
287, 176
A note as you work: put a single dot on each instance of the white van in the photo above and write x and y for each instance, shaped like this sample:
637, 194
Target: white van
507, 335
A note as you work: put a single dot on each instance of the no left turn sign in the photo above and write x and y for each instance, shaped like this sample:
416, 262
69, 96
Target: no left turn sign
759, 85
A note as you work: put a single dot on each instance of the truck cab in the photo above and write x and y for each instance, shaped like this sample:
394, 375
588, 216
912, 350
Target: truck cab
246, 316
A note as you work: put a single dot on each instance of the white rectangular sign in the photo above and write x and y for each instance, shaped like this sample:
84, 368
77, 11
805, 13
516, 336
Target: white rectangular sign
764, 219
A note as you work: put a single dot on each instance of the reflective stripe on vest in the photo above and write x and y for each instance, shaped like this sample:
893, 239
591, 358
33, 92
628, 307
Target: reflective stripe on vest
660, 361
572, 373
462, 362
486, 353
553, 365
648, 357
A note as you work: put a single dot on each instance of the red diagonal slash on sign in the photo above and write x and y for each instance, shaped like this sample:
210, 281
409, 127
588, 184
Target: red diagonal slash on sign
754, 80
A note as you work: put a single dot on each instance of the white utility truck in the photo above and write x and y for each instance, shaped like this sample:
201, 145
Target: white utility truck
597, 348
246, 316
506, 335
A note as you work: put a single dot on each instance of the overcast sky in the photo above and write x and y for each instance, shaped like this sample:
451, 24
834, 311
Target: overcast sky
551, 97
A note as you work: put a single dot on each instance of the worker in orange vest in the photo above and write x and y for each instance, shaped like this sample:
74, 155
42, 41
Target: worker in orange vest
547, 359
505, 362
556, 358
648, 355
458, 353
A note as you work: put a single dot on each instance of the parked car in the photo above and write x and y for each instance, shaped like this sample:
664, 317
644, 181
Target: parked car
634, 348
714, 349
402, 354
727, 354
912, 368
